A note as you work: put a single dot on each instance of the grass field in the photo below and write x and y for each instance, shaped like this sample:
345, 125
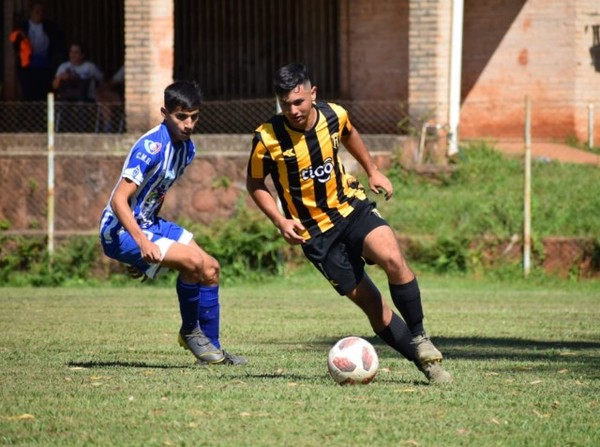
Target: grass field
100, 366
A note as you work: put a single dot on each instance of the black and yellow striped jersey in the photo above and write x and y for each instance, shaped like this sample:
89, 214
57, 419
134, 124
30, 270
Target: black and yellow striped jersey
306, 169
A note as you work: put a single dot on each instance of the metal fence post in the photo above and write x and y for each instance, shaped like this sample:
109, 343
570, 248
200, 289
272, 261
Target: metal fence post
50, 212
527, 191
591, 126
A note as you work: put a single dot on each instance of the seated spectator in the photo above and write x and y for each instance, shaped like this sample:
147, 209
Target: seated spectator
76, 79
113, 90
109, 96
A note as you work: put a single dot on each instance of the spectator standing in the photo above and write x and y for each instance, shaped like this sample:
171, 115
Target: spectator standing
39, 48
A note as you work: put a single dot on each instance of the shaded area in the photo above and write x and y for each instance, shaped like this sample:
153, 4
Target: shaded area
582, 356
485, 25
122, 364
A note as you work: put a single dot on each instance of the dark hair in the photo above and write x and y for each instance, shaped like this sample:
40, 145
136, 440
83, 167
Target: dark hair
184, 94
34, 3
290, 76
80, 45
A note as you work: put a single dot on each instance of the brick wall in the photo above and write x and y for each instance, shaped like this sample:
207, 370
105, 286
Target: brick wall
149, 40
511, 48
515, 48
377, 49
399, 50
429, 45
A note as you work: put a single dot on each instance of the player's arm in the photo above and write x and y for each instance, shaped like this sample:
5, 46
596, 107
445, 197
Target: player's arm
355, 145
120, 205
263, 198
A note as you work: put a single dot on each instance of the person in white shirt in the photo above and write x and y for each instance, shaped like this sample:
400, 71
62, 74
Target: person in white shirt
76, 79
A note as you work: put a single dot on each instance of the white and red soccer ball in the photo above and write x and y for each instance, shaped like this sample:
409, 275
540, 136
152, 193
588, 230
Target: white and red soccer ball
353, 361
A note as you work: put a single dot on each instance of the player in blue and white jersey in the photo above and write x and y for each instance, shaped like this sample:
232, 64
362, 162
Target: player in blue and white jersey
132, 232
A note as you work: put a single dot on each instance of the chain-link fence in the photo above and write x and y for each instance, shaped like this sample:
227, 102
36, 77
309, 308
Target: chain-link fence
69, 117
91, 143
219, 117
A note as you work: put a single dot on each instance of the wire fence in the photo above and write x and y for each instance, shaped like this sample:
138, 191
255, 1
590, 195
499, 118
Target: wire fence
90, 141
88, 156
219, 117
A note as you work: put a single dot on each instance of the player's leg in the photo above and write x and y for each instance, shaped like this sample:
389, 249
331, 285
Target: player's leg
343, 267
198, 291
177, 255
198, 271
392, 329
381, 247
385, 323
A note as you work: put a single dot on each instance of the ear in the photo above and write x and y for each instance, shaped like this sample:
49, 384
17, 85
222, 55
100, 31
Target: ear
313, 93
163, 112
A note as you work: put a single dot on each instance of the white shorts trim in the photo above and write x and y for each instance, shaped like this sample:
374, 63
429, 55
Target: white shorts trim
164, 244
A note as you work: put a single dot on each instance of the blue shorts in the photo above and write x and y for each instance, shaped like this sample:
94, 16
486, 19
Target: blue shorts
163, 233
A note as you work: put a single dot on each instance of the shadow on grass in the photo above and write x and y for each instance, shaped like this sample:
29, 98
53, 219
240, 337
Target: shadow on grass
584, 354
244, 374
473, 348
120, 364
489, 347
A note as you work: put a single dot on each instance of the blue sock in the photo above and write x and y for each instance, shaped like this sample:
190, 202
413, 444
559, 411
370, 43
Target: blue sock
210, 313
189, 305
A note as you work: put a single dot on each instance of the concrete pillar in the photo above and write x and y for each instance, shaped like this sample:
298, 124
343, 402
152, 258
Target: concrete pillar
587, 74
429, 59
149, 60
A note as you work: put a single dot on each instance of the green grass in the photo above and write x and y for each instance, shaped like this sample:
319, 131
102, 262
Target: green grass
100, 366
485, 197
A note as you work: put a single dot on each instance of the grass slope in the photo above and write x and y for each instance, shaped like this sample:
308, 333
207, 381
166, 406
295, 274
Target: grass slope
485, 197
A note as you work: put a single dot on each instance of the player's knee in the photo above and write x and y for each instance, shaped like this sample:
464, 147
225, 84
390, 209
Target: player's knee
393, 262
194, 267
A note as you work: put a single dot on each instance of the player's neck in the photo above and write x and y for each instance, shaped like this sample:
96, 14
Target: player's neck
312, 118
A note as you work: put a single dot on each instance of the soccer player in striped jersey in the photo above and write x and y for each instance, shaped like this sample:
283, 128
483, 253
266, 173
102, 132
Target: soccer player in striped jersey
132, 232
326, 211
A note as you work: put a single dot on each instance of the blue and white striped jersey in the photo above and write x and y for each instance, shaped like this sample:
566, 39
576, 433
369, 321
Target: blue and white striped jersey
153, 164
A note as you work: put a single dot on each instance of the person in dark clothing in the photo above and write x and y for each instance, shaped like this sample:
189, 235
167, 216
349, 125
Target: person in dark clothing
39, 48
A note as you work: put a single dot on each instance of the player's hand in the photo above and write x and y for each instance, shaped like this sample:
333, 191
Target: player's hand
150, 252
291, 230
379, 183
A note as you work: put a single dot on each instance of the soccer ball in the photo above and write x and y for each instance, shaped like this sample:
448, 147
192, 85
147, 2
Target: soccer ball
352, 361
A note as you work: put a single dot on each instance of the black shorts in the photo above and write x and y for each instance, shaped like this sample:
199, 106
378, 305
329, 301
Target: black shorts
337, 253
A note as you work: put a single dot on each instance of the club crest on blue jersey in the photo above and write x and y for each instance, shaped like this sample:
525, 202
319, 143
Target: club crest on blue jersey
152, 147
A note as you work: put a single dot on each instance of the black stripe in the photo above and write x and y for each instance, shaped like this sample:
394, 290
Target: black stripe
320, 189
285, 143
333, 124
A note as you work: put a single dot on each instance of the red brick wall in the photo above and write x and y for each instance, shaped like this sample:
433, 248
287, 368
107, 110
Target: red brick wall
148, 60
377, 49
514, 48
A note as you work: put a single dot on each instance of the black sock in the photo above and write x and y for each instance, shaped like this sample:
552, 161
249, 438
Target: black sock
407, 298
397, 335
